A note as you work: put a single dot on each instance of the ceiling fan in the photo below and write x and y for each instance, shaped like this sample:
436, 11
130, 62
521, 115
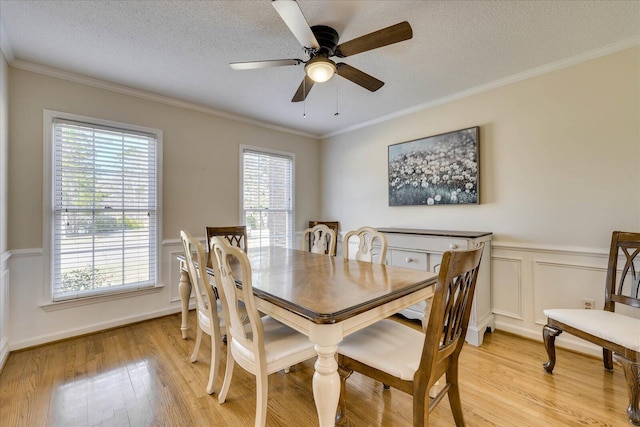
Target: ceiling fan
320, 43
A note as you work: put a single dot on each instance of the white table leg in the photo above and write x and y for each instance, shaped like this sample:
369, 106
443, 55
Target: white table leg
184, 287
326, 385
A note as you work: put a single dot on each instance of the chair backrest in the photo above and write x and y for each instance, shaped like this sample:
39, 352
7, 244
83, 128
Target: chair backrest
236, 235
320, 239
450, 311
333, 225
367, 236
623, 288
205, 296
227, 260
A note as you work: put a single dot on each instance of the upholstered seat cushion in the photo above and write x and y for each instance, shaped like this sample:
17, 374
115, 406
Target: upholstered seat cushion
614, 327
388, 346
205, 322
280, 342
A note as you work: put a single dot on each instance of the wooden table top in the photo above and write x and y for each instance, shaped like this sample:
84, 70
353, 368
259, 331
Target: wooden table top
325, 289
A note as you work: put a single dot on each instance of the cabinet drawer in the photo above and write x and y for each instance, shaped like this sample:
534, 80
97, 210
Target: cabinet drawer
438, 244
407, 259
426, 243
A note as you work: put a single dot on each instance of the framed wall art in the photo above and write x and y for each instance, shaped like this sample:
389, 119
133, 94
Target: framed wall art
436, 170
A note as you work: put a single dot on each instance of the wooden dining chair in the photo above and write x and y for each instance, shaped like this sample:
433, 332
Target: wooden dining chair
208, 309
236, 235
411, 360
269, 346
616, 332
319, 240
333, 225
367, 237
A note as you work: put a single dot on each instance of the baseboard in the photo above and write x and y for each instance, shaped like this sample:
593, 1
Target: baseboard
4, 353
96, 327
567, 342
475, 333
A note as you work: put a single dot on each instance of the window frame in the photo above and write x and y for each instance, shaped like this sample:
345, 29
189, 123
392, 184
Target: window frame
49, 117
278, 153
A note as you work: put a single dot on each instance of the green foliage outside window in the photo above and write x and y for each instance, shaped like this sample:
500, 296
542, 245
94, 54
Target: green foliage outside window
82, 279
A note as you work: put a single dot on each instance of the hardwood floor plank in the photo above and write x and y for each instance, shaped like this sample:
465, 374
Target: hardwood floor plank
141, 375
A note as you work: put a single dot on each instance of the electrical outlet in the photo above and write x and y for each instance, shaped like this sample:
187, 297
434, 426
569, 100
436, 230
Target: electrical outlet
589, 304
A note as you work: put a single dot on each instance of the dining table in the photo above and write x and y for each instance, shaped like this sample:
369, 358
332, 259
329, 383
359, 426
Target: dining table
326, 298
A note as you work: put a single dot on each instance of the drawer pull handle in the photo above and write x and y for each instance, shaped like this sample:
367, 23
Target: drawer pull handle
453, 246
408, 260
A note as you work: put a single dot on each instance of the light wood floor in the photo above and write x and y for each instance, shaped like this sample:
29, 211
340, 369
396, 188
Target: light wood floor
140, 375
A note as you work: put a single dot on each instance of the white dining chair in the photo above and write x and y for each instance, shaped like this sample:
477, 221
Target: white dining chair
269, 346
208, 309
367, 236
319, 240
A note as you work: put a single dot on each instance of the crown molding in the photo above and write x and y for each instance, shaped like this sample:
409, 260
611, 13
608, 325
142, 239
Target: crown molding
149, 96
554, 66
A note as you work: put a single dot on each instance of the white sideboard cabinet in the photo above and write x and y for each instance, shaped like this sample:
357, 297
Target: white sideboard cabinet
423, 249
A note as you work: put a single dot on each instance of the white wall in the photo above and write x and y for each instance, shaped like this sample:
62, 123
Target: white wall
4, 203
200, 187
559, 157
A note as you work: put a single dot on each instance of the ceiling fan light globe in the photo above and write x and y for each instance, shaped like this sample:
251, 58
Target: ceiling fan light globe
320, 71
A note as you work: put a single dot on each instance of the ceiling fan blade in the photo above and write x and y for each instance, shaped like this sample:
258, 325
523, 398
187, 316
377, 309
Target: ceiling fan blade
303, 89
386, 36
291, 14
251, 65
359, 77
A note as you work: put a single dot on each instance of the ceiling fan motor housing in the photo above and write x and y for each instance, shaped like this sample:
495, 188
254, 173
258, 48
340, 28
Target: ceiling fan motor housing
327, 38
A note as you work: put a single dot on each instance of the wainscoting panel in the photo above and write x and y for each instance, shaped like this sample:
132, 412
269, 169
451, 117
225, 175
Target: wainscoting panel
30, 324
566, 285
529, 278
173, 248
506, 295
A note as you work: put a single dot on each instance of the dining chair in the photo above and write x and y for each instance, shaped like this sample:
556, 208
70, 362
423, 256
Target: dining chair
236, 235
319, 239
208, 309
411, 360
269, 346
367, 237
333, 225
615, 330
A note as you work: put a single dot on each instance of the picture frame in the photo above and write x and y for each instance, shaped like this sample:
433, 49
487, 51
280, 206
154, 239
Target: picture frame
436, 170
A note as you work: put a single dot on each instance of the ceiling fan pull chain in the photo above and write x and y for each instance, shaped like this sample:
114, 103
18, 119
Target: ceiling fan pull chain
304, 100
337, 97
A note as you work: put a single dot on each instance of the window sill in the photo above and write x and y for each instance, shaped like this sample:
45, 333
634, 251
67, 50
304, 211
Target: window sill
61, 305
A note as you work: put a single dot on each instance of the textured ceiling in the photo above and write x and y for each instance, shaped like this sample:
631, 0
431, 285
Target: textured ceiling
181, 49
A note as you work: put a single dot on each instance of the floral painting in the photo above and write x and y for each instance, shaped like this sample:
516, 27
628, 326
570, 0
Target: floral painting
436, 170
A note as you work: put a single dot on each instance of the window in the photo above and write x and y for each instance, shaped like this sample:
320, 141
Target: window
267, 197
104, 200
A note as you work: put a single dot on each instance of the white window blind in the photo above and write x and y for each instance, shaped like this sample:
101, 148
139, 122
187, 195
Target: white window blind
105, 209
267, 198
